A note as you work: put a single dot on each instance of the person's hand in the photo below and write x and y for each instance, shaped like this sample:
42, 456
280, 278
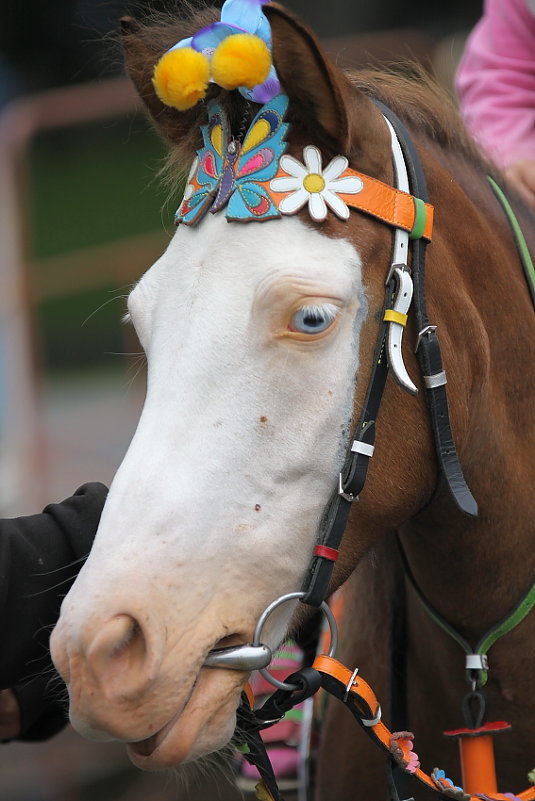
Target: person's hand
522, 176
9, 715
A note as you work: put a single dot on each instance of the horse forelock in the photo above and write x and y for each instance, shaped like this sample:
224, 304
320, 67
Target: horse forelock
312, 82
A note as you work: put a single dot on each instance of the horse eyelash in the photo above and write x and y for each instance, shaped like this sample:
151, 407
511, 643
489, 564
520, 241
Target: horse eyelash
319, 310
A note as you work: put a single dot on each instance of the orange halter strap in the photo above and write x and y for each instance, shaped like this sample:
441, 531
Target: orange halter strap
360, 699
357, 695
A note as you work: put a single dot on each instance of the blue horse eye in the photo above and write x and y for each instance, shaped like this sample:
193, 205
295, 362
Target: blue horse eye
313, 319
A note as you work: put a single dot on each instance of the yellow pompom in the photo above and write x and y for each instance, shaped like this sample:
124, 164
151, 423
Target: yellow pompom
241, 59
181, 77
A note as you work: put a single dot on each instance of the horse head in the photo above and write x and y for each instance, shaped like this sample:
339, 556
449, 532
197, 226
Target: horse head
259, 336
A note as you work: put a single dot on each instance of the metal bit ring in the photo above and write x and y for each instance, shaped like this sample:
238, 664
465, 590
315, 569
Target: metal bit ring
291, 596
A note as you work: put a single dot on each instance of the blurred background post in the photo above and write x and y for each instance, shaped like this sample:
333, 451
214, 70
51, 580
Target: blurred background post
82, 215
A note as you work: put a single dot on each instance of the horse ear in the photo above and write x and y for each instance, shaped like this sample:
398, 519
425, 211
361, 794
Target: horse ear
141, 55
317, 88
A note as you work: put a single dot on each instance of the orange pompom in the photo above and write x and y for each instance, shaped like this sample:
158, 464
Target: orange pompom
181, 77
241, 59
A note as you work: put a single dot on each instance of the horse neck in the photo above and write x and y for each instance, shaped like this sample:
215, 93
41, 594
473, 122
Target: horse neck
476, 571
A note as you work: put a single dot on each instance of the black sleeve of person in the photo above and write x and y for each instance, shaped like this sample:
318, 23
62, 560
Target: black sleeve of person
40, 556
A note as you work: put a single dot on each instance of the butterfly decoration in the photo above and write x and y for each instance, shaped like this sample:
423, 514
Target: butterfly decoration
227, 173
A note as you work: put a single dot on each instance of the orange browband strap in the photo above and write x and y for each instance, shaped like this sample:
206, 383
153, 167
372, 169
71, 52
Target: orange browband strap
392, 206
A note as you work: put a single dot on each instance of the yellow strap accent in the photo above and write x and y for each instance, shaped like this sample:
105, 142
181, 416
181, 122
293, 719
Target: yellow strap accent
392, 316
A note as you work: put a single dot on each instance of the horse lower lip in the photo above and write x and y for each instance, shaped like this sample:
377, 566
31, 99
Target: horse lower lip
145, 748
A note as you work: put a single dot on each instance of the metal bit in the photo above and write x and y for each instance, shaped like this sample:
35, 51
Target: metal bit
239, 657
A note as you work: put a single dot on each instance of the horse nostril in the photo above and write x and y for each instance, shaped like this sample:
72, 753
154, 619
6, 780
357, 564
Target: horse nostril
118, 648
116, 635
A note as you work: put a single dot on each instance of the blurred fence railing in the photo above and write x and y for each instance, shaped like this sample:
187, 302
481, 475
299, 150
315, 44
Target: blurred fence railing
28, 281
25, 283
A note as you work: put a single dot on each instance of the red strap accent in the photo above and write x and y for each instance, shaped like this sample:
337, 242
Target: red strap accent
326, 553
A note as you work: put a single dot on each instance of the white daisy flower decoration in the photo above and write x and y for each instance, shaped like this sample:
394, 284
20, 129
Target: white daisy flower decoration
308, 183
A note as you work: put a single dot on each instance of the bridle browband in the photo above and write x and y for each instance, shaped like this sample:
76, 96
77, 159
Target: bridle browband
410, 178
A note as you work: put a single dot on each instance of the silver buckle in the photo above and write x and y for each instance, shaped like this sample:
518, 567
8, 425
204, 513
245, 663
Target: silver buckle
396, 266
421, 334
368, 722
345, 495
350, 683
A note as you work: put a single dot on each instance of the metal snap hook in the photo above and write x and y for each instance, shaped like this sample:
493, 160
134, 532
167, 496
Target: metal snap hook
291, 596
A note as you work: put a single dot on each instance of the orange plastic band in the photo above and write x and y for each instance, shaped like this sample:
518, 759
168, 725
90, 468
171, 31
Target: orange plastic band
477, 764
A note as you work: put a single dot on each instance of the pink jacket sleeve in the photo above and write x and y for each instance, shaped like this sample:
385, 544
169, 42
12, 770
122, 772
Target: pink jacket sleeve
496, 81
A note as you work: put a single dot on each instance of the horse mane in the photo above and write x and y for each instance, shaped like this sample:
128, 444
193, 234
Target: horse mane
423, 105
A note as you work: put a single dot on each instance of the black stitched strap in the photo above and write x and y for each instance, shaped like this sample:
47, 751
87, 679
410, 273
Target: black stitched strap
431, 365
256, 754
316, 584
428, 352
353, 474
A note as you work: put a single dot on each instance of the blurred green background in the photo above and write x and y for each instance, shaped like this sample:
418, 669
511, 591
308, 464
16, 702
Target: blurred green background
88, 186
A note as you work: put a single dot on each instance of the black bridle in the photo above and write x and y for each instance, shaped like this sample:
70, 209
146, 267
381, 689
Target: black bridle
352, 477
353, 474
306, 681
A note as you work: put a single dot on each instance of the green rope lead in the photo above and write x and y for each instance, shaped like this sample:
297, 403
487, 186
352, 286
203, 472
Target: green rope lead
521, 243
514, 617
504, 626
